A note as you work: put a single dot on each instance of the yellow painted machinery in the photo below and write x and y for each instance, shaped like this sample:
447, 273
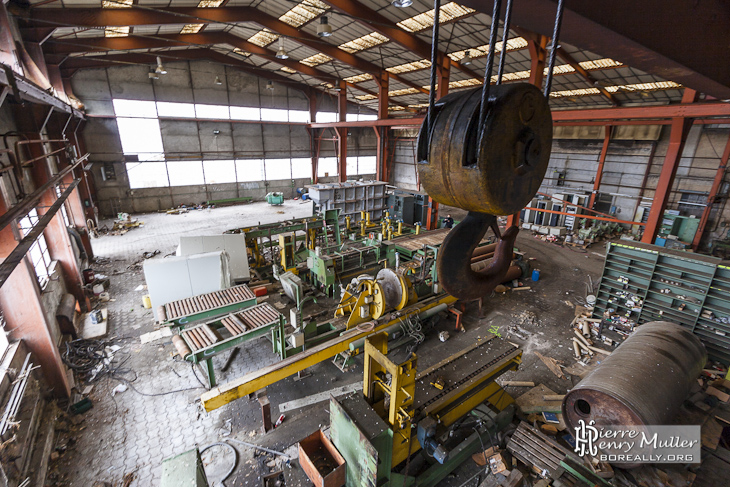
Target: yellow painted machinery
403, 412
368, 297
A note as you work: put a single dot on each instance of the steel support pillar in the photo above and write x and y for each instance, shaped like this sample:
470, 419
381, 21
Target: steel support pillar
443, 72
381, 133
313, 145
716, 183
678, 136
26, 318
601, 162
342, 132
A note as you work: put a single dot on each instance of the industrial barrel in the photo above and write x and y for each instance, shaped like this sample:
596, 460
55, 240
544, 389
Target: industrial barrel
643, 382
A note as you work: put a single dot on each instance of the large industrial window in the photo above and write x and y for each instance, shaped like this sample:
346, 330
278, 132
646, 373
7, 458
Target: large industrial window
277, 169
301, 168
357, 165
219, 172
141, 138
326, 166
250, 170
185, 173
62, 210
39, 255
147, 175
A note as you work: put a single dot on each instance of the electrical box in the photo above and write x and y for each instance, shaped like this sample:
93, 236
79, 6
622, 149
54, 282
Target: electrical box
400, 207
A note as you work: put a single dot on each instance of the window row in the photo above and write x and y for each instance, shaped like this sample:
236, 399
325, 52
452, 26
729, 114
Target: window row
191, 173
149, 109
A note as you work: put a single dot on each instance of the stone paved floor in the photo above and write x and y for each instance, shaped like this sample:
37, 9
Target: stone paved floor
135, 431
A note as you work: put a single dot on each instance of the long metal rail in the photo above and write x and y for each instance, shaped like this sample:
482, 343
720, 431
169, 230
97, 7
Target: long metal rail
252, 382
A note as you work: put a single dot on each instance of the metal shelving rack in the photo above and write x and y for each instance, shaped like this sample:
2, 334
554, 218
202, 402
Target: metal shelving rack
666, 279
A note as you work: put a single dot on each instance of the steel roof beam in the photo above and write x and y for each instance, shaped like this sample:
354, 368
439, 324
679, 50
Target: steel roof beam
100, 17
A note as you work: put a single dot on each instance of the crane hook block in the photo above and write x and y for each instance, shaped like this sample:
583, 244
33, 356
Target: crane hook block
489, 170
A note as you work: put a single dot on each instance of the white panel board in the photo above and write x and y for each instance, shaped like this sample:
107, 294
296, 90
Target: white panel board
234, 245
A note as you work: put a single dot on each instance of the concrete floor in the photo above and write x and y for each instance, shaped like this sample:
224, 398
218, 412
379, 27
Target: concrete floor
136, 429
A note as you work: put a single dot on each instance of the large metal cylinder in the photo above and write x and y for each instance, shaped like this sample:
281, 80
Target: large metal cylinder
643, 382
502, 175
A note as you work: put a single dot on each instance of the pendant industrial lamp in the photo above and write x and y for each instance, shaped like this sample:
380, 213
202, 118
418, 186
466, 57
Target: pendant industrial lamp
281, 53
324, 29
466, 60
402, 3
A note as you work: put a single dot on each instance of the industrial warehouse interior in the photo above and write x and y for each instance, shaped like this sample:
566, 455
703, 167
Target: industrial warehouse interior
378, 243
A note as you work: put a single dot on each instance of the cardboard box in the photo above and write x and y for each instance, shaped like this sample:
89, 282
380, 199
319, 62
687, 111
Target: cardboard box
317, 451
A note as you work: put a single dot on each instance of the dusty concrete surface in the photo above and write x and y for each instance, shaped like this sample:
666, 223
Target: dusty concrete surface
136, 429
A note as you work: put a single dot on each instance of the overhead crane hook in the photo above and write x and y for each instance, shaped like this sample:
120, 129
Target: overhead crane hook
485, 150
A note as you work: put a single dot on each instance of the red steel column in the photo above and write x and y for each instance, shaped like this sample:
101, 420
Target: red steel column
601, 162
381, 133
26, 318
443, 72
312, 136
342, 132
678, 136
719, 176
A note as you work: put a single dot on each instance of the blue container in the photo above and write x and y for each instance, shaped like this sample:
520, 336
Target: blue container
536, 275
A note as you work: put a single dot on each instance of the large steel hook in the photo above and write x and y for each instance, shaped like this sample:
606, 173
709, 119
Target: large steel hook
489, 170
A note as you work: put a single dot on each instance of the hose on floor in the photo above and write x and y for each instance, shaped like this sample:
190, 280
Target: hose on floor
235, 459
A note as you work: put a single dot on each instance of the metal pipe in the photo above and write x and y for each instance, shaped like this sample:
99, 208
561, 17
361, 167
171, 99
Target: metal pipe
661, 357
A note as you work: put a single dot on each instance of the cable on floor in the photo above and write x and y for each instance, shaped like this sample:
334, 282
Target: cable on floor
235, 459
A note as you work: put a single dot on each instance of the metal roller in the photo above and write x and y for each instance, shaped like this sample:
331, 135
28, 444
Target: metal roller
490, 169
182, 348
659, 357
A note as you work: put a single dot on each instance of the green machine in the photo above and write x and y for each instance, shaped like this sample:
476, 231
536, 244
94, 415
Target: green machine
404, 431
184, 470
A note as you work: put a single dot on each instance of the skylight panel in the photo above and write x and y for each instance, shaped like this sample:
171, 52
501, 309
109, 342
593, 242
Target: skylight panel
366, 97
304, 12
479, 51
579, 92
288, 70
263, 38
600, 64
659, 85
116, 31
191, 29
365, 42
359, 78
404, 91
316, 60
116, 4
447, 13
408, 67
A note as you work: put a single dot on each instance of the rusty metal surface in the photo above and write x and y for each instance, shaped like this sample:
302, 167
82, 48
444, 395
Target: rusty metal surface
495, 174
454, 259
501, 176
206, 302
659, 357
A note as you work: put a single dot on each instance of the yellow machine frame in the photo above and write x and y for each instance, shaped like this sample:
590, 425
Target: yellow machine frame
384, 379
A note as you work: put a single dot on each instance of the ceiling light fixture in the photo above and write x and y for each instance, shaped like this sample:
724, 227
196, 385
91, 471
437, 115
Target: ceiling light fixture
466, 60
402, 3
160, 69
324, 29
153, 75
218, 80
281, 53
337, 86
270, 85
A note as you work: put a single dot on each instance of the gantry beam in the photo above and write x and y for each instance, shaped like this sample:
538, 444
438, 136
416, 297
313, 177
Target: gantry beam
651, 35
381, 24
100, 17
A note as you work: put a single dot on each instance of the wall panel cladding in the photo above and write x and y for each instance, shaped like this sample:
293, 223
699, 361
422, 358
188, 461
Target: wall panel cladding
574, 161
191, 140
